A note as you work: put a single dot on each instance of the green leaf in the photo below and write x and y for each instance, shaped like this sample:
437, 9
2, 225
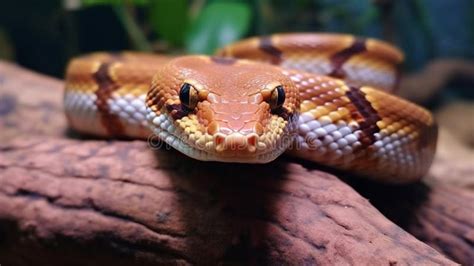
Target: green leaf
218, 24
169, 19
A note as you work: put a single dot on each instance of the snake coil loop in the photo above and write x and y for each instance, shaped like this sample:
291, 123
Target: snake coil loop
326, 98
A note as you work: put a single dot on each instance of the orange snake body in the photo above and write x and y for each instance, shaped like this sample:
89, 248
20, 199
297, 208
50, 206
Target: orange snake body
326, 98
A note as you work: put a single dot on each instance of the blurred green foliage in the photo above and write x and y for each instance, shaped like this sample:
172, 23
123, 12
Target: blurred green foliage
218, 24
170, 19
43, 35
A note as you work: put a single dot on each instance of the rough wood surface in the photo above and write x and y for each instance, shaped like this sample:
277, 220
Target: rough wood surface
438, 214
69, 201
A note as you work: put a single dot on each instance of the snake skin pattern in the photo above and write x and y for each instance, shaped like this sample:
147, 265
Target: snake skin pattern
326, 98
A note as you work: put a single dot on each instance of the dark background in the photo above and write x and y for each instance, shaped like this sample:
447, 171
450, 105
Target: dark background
44, 35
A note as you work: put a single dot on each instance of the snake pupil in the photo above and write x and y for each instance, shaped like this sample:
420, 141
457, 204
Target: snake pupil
277, 97
281, 96
188, 96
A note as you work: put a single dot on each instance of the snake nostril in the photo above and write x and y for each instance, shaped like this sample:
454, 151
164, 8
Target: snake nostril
219, 140
252, 141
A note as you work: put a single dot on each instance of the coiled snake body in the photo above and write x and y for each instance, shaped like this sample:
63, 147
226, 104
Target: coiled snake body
326, 98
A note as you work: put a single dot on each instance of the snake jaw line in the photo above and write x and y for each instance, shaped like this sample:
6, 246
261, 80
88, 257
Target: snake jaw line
203, 148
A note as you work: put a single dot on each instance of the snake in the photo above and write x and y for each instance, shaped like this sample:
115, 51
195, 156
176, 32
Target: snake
324, 98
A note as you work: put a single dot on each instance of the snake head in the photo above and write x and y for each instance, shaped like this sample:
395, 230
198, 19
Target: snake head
222, 109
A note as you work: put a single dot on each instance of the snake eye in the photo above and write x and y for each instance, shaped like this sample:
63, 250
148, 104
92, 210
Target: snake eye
277, 98
188, 95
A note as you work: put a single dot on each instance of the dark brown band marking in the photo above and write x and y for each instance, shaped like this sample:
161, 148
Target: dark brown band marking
284, 113
338, 59
368, 121
223, 60
177, 111
107, 86
267, 46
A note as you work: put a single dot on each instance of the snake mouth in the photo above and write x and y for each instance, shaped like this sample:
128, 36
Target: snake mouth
236, 143
235, 147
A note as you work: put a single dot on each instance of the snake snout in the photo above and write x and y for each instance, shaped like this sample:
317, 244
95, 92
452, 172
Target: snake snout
236, 142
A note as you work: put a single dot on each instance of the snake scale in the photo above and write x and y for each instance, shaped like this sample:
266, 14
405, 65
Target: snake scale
326, 98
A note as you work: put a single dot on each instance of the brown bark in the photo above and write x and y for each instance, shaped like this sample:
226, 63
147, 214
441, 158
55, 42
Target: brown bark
438, 214
69, 201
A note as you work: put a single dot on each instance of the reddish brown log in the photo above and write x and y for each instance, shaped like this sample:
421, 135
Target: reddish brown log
125, 200
440, 215
76, 202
